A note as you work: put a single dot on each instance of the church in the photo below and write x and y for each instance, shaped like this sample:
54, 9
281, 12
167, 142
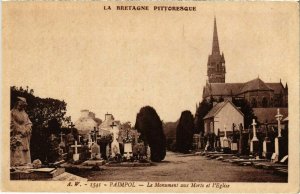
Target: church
256, 92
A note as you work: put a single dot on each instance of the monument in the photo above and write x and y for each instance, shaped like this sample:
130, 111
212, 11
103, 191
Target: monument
76, 154
225, 147
279, 139
128, 145
20, 134
254, 145
234, 144
95, 152
267, 153
115, 147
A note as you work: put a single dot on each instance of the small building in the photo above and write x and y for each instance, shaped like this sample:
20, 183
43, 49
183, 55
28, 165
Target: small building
107, 125
85, 123
223, 114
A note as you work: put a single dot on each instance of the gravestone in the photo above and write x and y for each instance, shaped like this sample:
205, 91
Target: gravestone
128, 150
62, 142
90, 141
225, 147
241, 147
76, 154
234, 143
274, 158
148, 152
284, 160
108, 151
53, 148
95, 151
254, 145
207, 146
279, 141
115, 147
267, 152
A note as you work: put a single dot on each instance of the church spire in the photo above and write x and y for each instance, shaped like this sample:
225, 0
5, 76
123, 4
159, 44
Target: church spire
215, 46
216, 69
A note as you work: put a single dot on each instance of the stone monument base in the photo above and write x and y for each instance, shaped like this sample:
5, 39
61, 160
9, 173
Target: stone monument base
93, 163
36, 174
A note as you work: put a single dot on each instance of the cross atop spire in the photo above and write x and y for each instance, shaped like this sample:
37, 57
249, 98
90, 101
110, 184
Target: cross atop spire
215, 46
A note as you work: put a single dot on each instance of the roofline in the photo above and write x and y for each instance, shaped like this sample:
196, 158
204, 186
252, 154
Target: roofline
225, 102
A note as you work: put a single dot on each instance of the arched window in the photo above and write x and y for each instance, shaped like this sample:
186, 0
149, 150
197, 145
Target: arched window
264, 102
253, 103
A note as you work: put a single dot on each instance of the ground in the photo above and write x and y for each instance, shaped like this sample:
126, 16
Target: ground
180, 167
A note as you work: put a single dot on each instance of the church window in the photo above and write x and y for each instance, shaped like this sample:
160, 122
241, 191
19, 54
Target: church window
264, 102
253, 103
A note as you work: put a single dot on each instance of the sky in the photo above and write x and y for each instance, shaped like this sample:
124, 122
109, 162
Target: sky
119, 61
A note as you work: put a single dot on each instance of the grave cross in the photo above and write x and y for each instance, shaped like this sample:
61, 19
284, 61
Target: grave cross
61, 136
254, 130
94, 132
233, 133
76, 146
113, 125
267, 130
71, 125
225, 135
278, 118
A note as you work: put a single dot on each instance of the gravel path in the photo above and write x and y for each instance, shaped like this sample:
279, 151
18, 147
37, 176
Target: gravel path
178, 167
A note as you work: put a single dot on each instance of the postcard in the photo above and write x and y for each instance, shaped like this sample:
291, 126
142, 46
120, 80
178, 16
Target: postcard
150, 96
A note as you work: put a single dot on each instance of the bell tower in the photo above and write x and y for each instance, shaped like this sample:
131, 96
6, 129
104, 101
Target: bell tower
216, 62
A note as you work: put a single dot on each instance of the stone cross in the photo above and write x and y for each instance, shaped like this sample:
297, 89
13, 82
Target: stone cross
225, 140
76, 146
94, 132
267, 130
61, 136
71, 125
254, 130
90, 141
113, 125
278, 118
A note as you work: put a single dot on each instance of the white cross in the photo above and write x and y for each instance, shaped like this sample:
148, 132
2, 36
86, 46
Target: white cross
76, 146
278, 118
254, 130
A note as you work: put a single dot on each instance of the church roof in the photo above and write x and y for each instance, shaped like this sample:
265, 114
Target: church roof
277, 87
222, 89
268, 114
254, 85
214, 111
227, 89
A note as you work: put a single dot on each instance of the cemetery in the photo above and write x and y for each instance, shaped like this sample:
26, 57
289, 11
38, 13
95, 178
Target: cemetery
72, 150
265, 148
242, 127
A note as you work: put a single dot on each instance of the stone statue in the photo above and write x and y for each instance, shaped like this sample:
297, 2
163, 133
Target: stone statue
20, 134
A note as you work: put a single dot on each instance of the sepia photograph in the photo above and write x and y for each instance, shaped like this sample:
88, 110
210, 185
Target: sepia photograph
150, 96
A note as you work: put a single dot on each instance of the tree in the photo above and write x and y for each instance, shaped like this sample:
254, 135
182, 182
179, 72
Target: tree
204, 107
42, 112
246, 110
184, 132
149, 125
